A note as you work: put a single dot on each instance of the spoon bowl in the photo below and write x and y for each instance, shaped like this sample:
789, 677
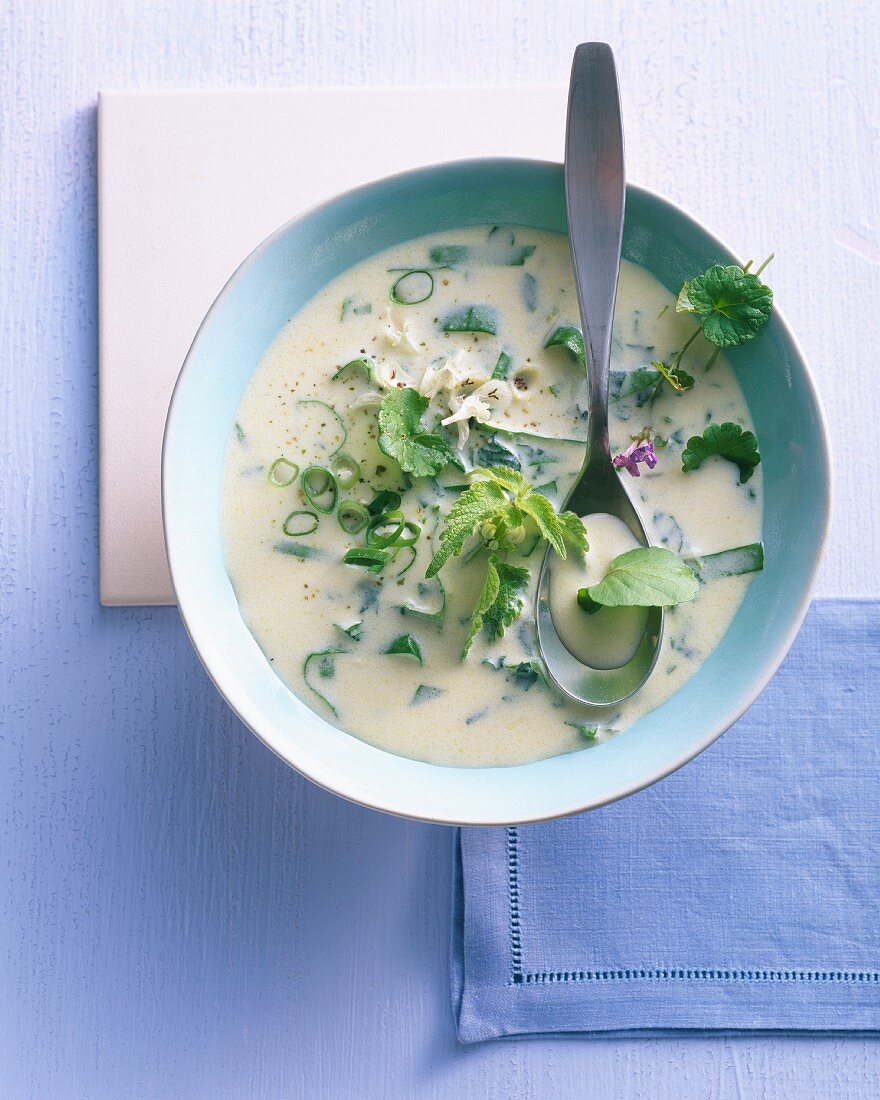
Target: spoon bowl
595, 185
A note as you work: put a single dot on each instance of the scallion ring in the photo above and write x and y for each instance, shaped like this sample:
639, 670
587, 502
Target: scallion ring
411, 562
317, 483
385, 530
412, 288
346, 469
300, 522
353, 517
409, 534
282, 473
383, 501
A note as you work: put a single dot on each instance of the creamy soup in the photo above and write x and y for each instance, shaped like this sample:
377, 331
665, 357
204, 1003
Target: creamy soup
327, 627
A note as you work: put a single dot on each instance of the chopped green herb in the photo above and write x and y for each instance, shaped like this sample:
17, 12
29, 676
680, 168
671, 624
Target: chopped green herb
527, 674
502, 367
354, 365
424, 692
240, 437
320, 488
322, 662
431, 616
649, 576
490, 255
679, 379
471, 319
727, 440
353, 631
402, 435
408, 646
571, 338
529, 291
296, 550
728, 563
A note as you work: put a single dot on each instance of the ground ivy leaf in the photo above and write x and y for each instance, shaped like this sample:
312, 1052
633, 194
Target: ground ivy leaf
734, 304
727, 440
649, 576
402, 435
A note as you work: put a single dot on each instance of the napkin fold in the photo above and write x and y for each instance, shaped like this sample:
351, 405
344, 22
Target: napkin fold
740, 893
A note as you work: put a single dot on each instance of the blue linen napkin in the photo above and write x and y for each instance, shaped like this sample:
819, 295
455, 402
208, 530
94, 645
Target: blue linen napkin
740, 893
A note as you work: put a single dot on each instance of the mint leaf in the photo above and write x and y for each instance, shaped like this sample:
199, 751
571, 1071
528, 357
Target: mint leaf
407, 645
679, 379
500, 601
402, 435
734, 304
727, 440
571, 338
476, 504
649, 576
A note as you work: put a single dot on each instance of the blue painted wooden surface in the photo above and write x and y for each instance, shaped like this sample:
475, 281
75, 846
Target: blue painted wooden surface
181, 915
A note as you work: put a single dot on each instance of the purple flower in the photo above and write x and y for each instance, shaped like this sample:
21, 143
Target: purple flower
640, 450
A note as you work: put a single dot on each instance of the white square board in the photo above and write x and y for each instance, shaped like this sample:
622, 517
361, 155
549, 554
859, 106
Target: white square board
189, 183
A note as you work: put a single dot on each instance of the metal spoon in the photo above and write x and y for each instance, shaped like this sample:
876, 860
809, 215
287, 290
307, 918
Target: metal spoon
595, 185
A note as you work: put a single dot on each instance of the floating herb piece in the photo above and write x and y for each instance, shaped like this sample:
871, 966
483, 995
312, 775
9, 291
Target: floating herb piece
282, 473
649, 576
493, 453
733, 303
502, 367
500, 601
353, 517
527, 674
402, 435
407, 645
728, 563
240, 437
300, 522
431, 616
679, 379
348, 306
323, 662
386, 500
353, 366
424, 692
571, 338
471, 319
297, 550
529, 292
353, 631
501, 254
727, 440
412, 288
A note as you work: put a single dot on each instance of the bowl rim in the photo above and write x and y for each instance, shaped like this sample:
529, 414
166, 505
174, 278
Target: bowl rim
822, 459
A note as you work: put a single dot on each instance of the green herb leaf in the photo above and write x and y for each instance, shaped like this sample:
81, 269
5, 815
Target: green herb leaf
649, 576
322, 661
353, 631
353, 365
424, 693
500, 601
402, 435
554, 527
477, 503
406, 644
570, 337
734, 304
471, 319
727, 440
679, 379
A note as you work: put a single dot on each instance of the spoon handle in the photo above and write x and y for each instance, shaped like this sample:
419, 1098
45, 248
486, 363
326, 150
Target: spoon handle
595, 184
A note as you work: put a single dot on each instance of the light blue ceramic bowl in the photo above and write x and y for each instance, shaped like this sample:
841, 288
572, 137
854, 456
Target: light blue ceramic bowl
280, 277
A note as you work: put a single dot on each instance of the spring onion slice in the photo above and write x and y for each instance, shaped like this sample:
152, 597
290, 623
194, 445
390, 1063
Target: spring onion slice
410, 533
317, 482
282, 473
354, 365
332, 422
326, 667
378, 534
384, 501
353, 517
301, 522
408, 646
371, 558
346, 469
471, 319
412, 288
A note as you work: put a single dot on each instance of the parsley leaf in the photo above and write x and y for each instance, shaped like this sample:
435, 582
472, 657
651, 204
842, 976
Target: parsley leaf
500, 602
649, 576
734, 304
679, 379
727, 440
402, 435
